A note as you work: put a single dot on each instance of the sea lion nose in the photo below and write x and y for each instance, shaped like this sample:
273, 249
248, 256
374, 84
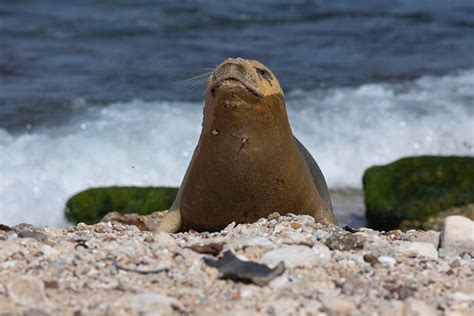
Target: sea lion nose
230, 68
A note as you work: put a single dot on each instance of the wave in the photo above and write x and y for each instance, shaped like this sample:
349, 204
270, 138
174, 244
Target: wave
150, 143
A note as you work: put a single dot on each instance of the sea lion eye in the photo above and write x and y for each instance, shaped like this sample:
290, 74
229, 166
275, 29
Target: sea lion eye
263, 73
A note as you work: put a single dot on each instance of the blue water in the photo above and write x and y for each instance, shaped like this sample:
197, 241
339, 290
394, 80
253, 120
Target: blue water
53, 52
96, 93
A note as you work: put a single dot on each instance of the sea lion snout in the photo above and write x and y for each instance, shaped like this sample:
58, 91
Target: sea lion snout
248, 76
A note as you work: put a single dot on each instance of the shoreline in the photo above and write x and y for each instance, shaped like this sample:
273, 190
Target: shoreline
348, 206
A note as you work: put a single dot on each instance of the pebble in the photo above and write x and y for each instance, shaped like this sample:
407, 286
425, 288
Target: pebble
422, 249
294, 256
457, 235
49, 252
415, 307
386, 261
259, 241
145, 304
429, 236
334, 305
465, 291
345, 241
392, 308
7, 307
28, 291
282, 306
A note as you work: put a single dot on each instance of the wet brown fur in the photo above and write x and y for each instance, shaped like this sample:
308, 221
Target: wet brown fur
247, 163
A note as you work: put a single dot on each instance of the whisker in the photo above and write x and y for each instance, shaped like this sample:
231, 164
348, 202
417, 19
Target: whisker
200, 76
199, 80
200, 83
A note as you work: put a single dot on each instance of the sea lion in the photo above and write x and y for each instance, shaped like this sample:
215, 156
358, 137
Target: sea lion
247, 163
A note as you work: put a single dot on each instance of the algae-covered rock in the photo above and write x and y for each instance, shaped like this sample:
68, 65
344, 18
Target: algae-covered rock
435, 222
91, 205
415, 189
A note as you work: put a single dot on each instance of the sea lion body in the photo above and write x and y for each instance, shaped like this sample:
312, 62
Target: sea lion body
247, 163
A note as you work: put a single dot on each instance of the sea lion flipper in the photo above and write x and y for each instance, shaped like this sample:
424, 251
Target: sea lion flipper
171, 222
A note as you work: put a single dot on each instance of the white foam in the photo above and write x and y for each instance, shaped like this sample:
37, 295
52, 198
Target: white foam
150, 143
350, 129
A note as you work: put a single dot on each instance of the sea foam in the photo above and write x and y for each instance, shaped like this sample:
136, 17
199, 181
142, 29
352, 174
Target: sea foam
150, 143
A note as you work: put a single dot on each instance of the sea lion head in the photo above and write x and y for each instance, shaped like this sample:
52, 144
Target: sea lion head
247, 76
245, 91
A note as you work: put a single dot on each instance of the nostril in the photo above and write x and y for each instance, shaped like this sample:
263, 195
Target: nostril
231, 67
240, 68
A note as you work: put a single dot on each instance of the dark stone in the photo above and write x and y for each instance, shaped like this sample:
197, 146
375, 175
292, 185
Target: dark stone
213, 249
32, 234
53, 284
235, 269
373, 260
350, 229
345, 241
81, 243
400, 291
5, 228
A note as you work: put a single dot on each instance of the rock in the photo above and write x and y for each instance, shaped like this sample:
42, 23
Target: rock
371, 259
212, 249
35, 312
400, 291
457, 236
429, 236
435, 222
322, 251
335, 305
7, 307
5, 228
292, 237
392, 308
414, 307
416, 189
32, 234
387, 261
233, 268
422, 249
145, 304
92, 205
11, 234
28, 291
164, 240
148, 222
296, 256
321, 235
464, 292
283, 306
345, 241
49, 252
258, 241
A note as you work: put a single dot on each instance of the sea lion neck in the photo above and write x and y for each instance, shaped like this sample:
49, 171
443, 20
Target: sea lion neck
246, 115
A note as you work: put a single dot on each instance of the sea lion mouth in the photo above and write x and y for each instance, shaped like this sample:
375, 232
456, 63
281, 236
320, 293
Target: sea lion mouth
233, 82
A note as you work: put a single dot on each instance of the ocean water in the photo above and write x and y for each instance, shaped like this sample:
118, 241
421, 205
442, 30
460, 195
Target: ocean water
94, 93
